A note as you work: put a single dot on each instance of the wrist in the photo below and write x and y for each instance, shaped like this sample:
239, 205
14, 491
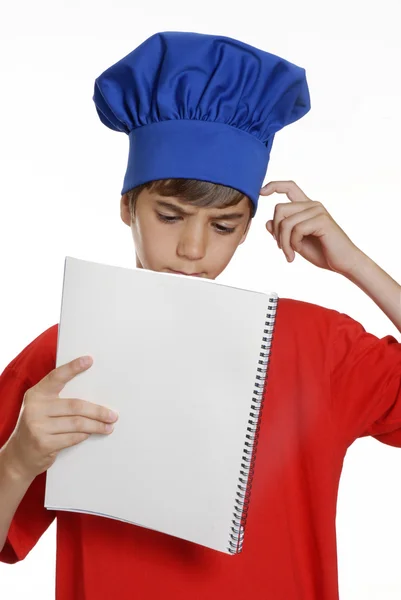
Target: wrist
359, 264
12, 465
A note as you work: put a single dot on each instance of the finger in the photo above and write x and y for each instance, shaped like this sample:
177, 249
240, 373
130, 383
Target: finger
66, 407
287, 239
270, 229
66, 440
53, 383
315, 226
77, 424
294, 193
284, 210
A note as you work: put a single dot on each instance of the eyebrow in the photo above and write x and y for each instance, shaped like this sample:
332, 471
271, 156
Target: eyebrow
182, 212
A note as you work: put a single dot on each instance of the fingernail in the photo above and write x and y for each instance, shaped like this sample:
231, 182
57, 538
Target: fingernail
109, 427
113, 415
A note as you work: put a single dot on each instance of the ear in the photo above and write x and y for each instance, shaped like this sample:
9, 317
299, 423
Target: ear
124, 210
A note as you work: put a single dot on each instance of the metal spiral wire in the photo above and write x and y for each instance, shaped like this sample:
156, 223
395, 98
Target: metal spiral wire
237, 529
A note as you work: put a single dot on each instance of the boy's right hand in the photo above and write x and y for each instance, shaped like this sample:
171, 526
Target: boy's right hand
47, 423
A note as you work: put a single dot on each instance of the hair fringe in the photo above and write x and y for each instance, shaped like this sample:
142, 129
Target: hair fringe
197, 193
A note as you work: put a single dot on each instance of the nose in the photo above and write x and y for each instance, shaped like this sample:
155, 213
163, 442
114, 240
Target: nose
192, 242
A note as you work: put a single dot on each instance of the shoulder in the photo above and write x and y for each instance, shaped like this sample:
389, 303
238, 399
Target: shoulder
306, 316
322, 323
38, 358
35, 361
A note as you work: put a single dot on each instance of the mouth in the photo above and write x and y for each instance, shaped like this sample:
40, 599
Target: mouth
187, 274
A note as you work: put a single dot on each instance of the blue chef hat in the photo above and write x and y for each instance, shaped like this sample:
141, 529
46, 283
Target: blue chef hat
199, 106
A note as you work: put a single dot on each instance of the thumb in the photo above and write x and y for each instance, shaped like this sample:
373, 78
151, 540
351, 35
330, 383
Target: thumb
53, 383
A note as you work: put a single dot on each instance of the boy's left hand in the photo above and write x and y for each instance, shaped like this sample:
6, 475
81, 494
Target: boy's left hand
306, 227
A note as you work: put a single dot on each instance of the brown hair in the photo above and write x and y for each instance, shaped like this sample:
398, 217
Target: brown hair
195, 192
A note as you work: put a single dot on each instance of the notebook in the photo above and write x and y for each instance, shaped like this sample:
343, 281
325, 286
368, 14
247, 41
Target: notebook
184, 361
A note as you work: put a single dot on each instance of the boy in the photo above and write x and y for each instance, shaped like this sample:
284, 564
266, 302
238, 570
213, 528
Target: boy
201, 113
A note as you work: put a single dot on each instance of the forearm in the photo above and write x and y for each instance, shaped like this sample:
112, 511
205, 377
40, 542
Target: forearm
13, 486
379, 286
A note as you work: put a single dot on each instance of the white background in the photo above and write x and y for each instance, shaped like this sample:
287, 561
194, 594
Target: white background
62, 172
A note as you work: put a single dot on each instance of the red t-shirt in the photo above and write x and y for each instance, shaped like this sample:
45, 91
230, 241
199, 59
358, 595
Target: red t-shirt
329, 382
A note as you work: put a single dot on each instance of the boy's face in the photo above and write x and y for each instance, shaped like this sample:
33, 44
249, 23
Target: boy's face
170, 235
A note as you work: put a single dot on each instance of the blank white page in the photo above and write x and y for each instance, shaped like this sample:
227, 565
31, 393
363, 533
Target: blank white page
177, 358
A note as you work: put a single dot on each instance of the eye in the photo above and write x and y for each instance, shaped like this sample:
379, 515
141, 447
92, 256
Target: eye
223, 230
166, 218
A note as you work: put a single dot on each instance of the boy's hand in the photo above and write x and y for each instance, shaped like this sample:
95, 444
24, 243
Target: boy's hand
47, 423
305, 226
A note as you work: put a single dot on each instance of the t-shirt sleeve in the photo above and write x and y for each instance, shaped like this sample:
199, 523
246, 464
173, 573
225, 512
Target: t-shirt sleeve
31, 518
365, 383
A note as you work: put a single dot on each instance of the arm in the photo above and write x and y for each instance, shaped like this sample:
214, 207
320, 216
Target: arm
13, 486
46, 425
379, 286
306, 227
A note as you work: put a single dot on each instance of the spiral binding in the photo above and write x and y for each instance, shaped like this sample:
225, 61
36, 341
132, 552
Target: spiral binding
249, 453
